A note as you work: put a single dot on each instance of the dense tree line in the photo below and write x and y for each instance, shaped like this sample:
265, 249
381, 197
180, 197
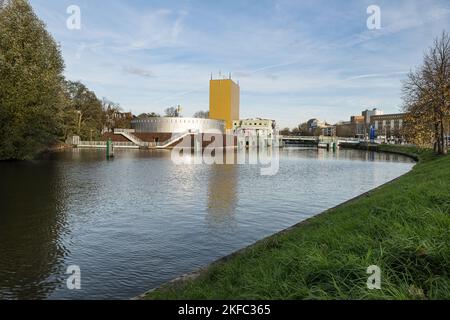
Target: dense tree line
148, 115
31, 83
300, 130
38, 107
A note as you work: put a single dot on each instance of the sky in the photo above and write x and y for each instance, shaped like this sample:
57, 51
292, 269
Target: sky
294, 60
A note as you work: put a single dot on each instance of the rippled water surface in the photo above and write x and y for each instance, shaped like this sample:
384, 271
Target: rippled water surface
140, 220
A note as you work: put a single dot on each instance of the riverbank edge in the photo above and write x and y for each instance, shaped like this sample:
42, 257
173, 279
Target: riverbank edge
53, 148
179, 281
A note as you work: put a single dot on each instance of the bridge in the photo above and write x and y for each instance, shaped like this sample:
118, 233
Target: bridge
312, 141
135, 143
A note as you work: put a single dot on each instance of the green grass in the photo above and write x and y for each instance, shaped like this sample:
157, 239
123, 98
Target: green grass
403, 227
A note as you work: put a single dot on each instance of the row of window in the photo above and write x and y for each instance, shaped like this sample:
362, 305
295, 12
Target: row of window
236, 124
181, 120
386, 123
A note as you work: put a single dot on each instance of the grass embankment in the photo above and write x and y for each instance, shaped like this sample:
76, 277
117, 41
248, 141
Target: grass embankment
402, 227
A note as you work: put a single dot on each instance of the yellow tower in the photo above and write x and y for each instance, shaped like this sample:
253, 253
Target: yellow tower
224, 99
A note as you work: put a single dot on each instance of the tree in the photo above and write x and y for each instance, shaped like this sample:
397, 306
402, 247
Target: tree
417, 129
31, 78
285, 132
304, 129
148, 115
202, 114
426, 95
173, 112
296, 131
113, 117
85, 109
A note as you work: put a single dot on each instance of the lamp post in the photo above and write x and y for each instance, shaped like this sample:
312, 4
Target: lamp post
80, 115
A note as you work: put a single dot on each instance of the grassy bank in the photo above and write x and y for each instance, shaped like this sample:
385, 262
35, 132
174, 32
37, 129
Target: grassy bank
402, 227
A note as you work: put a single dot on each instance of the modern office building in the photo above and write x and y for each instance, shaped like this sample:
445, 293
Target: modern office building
328, 131
368, 114
345, 129
389, 125
358, 126
224, 101
355, 128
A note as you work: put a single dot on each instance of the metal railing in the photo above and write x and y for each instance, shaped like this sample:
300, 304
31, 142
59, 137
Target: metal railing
103, 144
129, 134
174, 139
118, 131
92, 143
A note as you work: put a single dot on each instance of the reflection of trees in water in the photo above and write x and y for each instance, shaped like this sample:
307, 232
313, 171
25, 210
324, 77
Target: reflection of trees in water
32, 221
359, 155
222, 193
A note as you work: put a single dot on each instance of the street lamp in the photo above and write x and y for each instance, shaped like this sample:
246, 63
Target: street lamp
80, 115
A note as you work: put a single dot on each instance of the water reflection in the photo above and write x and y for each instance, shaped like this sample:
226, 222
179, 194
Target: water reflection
31, 249
222, 193
140, 219
344, 154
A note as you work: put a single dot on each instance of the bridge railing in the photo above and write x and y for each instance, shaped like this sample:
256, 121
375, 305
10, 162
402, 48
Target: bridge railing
103, 144
92, 143
118, 131
309, 138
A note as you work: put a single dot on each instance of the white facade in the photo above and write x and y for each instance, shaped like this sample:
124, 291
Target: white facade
177, 125
255, 127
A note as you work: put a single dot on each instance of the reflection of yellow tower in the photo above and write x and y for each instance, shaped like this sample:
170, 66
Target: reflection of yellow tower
222, 193
224, 99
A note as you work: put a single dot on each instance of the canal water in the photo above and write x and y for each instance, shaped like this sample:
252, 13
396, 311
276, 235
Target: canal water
139, 220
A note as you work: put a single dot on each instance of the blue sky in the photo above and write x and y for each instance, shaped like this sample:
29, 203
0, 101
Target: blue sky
294, 60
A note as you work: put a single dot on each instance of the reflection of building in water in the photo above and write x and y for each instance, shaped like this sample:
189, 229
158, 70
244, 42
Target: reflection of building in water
222, 192
32, 223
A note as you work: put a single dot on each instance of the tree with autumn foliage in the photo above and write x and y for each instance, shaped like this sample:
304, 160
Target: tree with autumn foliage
426, 95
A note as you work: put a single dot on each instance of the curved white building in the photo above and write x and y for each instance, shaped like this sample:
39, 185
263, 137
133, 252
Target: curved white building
177, 125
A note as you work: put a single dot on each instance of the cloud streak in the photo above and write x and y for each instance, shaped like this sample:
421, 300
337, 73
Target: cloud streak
139, 72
